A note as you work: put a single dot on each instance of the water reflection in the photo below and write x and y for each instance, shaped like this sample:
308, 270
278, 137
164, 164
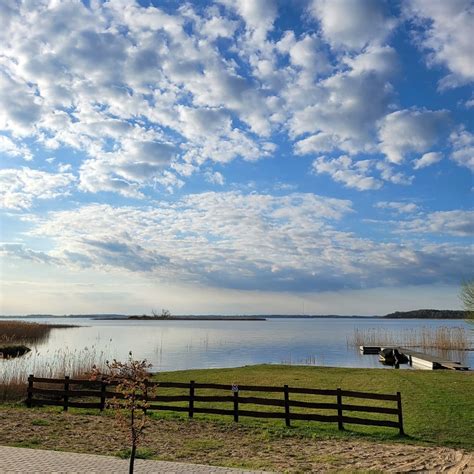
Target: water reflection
175, 345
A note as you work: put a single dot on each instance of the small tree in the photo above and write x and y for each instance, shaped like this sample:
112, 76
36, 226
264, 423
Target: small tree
165, 314
130, 380
467, 297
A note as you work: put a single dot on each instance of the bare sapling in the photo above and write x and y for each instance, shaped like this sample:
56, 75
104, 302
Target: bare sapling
130, 381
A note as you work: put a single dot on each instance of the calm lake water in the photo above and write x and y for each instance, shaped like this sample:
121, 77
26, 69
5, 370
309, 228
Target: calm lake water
175, 345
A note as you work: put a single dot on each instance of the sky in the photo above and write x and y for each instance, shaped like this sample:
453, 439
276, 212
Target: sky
235, 156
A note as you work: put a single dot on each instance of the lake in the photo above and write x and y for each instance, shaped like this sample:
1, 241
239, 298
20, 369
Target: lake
175, 345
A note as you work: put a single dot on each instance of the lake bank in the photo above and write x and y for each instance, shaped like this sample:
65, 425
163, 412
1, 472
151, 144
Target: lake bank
438, 415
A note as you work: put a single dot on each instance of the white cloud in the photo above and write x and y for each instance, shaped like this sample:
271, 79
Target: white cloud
9, 147
20, 106
70, 76
462, 143
352, 24
411, 131
427, 159
20, 188
388, 174
259, 15
397, 206
249, 241
456, 223
446, 35
215, 177
342, 110
21, 251
353, 174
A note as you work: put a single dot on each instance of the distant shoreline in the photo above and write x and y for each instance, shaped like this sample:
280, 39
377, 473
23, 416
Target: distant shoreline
416, 314
191, 318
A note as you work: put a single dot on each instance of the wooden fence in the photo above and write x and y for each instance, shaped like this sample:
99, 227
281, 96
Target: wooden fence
75, 389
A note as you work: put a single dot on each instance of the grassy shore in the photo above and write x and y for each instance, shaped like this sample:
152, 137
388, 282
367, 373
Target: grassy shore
438, 413
438, 406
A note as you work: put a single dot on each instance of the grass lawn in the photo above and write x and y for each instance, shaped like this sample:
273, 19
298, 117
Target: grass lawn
438, 415
438, 406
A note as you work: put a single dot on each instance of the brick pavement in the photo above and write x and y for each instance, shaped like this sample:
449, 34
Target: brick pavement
24, 460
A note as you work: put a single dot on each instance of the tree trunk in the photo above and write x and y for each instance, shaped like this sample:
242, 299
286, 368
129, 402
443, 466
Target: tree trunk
132, 458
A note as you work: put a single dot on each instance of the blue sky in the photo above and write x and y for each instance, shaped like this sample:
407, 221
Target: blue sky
235, 156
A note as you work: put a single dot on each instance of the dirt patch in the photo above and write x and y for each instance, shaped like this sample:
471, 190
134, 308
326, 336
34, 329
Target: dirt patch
224, 444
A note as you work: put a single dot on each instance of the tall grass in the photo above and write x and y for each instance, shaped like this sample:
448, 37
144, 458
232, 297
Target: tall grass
14, 372
442, 338
26, 332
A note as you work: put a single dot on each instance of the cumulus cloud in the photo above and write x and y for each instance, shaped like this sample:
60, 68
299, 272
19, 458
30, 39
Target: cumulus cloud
247, 241
411, 131
346, 23
456, 223
427, 159
21, 106
9, 147
215, 177
353, 174
445, 31
259, 15
342, 110
397, 206
21, 251
71, 77
20, 188
462, 142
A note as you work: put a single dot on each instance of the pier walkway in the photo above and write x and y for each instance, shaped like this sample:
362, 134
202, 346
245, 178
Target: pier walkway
419, 360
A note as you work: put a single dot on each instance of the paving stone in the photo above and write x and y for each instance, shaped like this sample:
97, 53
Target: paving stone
31, 461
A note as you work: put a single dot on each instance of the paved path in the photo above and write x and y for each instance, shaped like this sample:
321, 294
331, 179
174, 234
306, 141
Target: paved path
30, 461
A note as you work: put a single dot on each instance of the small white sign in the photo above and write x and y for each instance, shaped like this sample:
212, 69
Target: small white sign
235, 387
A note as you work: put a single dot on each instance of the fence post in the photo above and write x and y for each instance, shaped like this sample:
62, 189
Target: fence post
400, 416
103, 388
66, 392
236, 406
340, 424
145, 397
287, 405
191, 398
29, 394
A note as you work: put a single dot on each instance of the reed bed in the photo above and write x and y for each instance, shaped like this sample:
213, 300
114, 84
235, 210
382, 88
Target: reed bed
27, 332
442, 338
14, 372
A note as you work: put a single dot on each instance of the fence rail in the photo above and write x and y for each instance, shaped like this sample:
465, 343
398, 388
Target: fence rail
66, 397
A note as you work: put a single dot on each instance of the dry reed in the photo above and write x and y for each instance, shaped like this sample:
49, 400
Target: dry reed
14, 372
443, 338
26, 332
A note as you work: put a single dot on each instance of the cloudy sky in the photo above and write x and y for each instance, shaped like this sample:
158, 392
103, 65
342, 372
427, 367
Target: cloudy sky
236, 156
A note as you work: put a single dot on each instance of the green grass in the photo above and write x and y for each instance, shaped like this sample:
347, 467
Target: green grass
40, 422
438, 406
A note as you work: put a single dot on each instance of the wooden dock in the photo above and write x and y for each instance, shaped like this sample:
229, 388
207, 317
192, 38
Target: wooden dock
418, 360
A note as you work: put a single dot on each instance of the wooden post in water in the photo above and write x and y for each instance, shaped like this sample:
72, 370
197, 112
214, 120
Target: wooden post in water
340, 424
191, 399
66, 392
287, 405
400, 415
29, 395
